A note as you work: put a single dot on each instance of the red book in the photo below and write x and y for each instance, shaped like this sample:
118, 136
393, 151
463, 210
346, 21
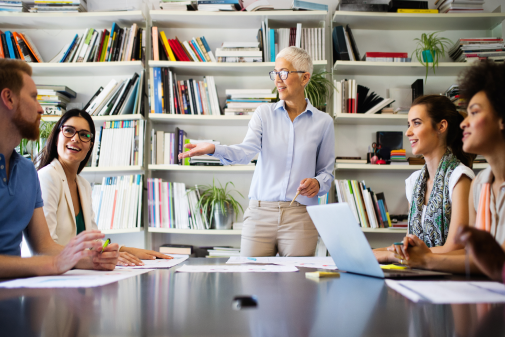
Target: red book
100, 46
2, 55
387, 54
175, 50
189, 58
177, 47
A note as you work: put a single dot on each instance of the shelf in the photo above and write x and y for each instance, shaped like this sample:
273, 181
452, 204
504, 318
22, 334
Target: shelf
122, 231
194, 231
413, 68
414, 21
378, 167
97, 20
118, 170
130, 117
392, 167
385, 230
223, 68
372, 119
201, 119
234, 20
87, 69
186, 168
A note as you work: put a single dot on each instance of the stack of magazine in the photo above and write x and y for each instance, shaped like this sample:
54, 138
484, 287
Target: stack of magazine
55, 6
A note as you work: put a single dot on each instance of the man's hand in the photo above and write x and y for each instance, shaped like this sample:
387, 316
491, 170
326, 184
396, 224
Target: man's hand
485, 251
76, 250
132, 256
197, 150
309, 187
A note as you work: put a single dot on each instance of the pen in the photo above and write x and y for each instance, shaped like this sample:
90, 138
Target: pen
105, 244
292, 201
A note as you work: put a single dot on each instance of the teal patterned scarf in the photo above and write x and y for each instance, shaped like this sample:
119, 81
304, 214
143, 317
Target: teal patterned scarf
438, 211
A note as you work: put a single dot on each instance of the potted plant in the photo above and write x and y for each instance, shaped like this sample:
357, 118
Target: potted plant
218, 205
32, 148
430, 48
318, 90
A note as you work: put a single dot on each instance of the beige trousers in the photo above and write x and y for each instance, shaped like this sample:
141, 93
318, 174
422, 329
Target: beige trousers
271, 227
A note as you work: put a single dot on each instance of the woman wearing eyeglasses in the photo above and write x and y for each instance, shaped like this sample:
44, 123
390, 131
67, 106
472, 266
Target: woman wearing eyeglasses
295, 142
67, 195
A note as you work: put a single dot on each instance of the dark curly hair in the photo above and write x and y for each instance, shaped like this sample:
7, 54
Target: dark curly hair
440, 108
487, 76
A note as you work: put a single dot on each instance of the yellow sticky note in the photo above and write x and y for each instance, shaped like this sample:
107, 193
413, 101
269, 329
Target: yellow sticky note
393, 266
321, 274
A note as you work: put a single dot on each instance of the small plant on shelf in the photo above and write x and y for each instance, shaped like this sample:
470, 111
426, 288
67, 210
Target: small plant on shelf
430, 48
218, 205
318, 90
30, 148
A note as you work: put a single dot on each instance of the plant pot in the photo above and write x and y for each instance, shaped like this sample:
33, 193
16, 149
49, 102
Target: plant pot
427, 57
222, 221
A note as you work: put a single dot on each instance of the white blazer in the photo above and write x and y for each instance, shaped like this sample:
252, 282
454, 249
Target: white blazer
58, 206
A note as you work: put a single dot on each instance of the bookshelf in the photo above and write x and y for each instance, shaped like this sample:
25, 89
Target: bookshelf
87, 69
396, 32
411, 21
219, 27
99, 119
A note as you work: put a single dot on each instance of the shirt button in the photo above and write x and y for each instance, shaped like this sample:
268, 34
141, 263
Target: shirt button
1, 167
5, 179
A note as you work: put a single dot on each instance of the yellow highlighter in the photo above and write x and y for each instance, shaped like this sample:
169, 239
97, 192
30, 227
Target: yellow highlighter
105, 244
322, 274
393, 266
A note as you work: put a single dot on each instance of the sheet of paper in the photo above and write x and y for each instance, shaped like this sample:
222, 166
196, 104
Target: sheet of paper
159, 263
445, 292
307, 262
76, 278
187, 268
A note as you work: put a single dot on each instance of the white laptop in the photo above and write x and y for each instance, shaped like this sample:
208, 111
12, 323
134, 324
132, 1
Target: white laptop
349, 247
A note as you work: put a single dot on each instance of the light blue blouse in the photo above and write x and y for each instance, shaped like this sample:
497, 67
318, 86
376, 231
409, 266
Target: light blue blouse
288, 152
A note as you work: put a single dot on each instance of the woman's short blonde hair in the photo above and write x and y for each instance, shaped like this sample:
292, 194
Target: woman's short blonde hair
298, 57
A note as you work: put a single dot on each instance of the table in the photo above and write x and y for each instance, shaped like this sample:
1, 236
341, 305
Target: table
165, 303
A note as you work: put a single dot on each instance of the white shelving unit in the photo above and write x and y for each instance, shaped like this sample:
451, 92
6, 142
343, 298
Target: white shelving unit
96, 119
201, 119
195, 231
87, 69
395, 32
203, 169
123, 231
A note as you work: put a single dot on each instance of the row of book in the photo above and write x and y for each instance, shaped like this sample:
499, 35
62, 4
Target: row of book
453, 94
171, 205
41, 6
460, 6
233, 52
19, 46
188, 97
54, 98
246, 101
475, 49
369, 208
117, 202
119, 143
118, 44
350, 97
118, 98
166, 147
272, 41
194, 50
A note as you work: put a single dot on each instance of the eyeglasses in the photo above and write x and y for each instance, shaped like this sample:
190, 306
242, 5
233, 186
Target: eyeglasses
283, 74
69, 132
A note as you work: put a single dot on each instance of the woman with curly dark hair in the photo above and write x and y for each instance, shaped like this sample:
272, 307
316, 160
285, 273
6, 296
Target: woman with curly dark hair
483, 87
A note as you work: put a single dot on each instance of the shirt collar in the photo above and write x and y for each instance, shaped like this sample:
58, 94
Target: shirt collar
282, 105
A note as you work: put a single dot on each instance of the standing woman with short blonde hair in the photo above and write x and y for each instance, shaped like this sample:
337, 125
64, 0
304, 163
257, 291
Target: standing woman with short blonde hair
296, 146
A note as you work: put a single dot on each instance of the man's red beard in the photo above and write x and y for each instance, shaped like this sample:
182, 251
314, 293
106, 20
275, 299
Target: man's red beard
27, 129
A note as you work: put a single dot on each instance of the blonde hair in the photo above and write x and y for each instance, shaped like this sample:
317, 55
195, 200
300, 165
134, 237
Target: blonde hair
298, 57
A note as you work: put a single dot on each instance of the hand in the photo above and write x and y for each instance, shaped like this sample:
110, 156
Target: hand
197, 150
144, 254
418, 253
383, 256
76, 250
309, 187
485, 251
402, 250
127, 259
106, 260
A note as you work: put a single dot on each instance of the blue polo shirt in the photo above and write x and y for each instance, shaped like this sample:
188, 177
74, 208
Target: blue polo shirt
19, 197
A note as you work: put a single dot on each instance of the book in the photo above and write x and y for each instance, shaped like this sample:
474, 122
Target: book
176, 249
306, 5
419, 11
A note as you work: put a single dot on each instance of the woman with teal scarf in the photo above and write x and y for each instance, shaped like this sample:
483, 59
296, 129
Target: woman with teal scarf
438, 193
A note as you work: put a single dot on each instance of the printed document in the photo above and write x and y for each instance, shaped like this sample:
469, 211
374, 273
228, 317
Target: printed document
159, 263
209, 268
446, 292
76, 278
307, 262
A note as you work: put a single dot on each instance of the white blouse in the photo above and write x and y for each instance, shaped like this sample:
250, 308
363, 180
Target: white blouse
453, 180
